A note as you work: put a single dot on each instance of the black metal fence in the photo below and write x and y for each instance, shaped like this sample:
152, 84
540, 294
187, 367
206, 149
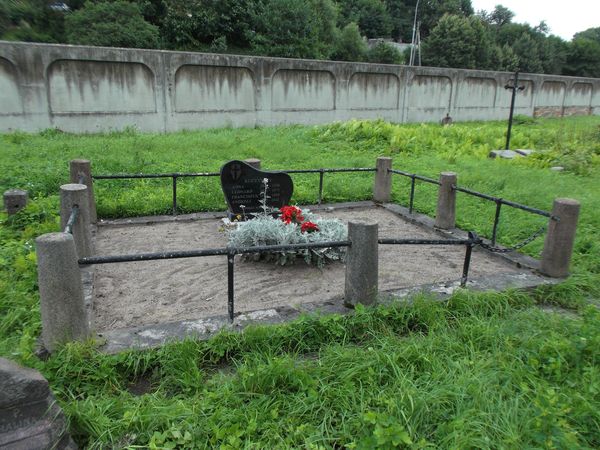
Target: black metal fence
498, 200
175, 175
472, 241
230, 252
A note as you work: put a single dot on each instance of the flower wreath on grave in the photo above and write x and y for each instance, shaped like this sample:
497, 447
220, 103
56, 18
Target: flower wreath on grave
289, 225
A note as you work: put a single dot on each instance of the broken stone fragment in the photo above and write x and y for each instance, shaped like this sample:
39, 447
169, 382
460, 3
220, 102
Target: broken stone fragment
506, 154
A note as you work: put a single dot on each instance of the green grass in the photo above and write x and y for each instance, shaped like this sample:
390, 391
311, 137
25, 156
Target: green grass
481, 371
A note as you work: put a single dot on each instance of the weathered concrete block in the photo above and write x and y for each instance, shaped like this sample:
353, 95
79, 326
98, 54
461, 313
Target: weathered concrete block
505, 154
15, 200
81, 172
382, 189
362, 264
30, 418
64, 316
558, 246
446, 206
76, 195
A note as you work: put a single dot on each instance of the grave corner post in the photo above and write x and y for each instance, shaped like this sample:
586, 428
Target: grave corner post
560, 239
15, 200
445, 217
362, 264
382, 189
81, 173
62, 304
75, 195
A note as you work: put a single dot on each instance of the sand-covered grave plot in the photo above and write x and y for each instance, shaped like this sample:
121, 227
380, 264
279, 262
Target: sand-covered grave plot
151, 292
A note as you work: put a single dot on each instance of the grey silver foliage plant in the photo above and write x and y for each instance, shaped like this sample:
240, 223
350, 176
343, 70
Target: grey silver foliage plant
265, 229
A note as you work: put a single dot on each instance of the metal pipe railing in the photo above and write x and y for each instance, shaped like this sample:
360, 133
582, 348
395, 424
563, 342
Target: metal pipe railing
175, 175
72, 219
469, 243
230, 252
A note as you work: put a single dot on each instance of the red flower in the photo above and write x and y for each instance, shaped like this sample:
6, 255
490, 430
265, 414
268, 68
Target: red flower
291, 214
309, 227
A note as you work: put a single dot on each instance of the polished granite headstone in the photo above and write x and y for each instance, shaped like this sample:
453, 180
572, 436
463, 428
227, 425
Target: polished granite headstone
244, 186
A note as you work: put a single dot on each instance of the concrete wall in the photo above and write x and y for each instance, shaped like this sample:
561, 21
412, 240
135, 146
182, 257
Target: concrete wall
90, 89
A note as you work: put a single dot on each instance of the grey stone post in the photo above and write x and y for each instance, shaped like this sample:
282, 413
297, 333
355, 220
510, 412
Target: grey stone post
253, 162
446, 205
64, 316
15, 200
382, 190
83, 168
71, 195
560, 238
362, 264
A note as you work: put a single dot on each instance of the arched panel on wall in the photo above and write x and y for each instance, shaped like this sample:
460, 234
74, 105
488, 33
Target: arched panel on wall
10, 100
476, 92
100, 87
523, 99
429, 98
475, 99
550, 99
579, 100
302, 90
370, 90
214, 88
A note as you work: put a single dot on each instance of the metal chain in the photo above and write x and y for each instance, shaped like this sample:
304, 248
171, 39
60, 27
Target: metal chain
518, 246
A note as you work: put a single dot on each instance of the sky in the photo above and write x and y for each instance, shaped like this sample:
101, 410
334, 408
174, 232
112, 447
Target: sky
564, 18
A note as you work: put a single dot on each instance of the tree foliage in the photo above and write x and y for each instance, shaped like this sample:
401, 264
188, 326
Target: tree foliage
114, 24
293, 28
371, 16
350, 46
384, 53
452, 35
458, 41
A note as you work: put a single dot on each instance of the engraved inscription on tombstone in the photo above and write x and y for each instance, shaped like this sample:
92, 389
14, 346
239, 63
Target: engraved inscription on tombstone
244, 188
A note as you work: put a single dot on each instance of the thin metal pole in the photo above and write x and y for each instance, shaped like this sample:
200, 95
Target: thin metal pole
230, 286
496, 220
411, 60
412, 194
321, 173
514, 88
174, 195
467, 263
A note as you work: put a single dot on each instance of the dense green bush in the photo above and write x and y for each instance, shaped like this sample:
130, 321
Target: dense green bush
384, 53
350, 45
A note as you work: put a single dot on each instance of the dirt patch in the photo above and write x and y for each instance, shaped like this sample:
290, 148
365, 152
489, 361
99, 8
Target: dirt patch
150, 292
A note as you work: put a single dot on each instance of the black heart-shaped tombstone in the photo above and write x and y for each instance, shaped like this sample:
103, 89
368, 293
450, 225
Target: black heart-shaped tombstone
244, 188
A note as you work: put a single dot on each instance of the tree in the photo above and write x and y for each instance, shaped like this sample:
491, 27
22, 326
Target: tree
461, 42
291, 28
501, 15
583, 58
528, 52
401, 14
370, 15
503, 58
350, 45
114, 24
592, 34
432, 11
